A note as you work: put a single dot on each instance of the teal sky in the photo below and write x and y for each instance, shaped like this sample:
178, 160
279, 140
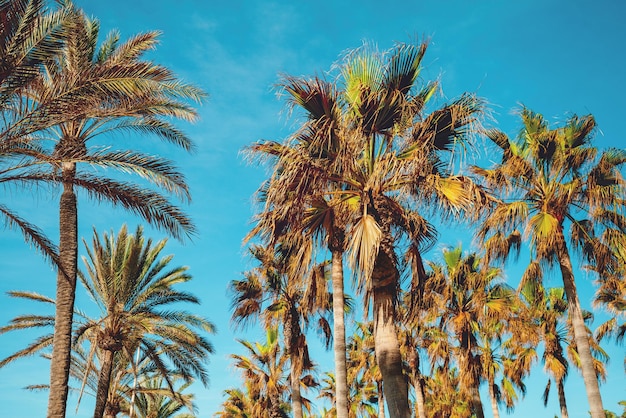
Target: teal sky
557, 57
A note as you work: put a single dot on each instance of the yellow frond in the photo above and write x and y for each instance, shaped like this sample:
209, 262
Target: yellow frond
363, 248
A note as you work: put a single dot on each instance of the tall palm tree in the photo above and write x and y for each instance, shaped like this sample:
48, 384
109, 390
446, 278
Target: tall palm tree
120, 92
133, 286
362, 168
311, 209
555, 187
272, 294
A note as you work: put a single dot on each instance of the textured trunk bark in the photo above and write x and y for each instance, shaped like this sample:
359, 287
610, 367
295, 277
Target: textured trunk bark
477, 403
561, 389
581, 336
339, 336
292, 336
104, 382
381, 399
420, 403
296, 396
386, 345
414, 364
492, 398
65, 295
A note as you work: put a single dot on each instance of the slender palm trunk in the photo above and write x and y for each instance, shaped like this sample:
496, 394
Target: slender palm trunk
477, 403
65, 295
492, 398
381, 399
296, 396
561, 389
339, 335
581, 336
386, 343
292, 334
104, 382
414, 364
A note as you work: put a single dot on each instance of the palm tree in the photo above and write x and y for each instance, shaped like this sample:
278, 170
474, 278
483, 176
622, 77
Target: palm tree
272, 293
119, 92
364, 372
551, 180
133, 287
311, 209
362, 397
264, 376
443, 395
361, 168
611, 295
548, 308
29, 37
154, 400
473, 301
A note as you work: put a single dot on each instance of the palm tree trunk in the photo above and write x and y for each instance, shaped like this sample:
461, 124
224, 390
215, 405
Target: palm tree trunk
386, 345
339, 336
414, 363
477, 404
104, 382
492, 398
420, 403
381, 399
65, 295
296, 396
561, 389
581, 336
292, 336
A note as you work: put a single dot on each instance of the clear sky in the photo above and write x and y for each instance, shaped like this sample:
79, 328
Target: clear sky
557, 57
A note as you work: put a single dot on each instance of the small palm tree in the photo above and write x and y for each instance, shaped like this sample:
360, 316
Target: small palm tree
263, 370
473, 301
275, 294
134, 288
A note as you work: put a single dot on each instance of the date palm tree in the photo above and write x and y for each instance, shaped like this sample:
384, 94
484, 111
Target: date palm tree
155, 400
273, 295
30, 36
120, 92
133, 286
555, 188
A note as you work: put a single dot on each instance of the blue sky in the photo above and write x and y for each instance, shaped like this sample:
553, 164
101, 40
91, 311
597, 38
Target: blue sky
556, 57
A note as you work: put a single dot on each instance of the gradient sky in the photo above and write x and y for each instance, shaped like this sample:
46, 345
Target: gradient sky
556, 57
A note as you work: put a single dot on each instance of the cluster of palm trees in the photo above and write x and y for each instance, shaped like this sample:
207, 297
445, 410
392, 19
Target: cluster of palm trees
64, 94
373, 169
